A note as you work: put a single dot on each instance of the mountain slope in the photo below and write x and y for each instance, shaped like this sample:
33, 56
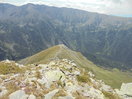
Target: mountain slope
111, 77
28, 29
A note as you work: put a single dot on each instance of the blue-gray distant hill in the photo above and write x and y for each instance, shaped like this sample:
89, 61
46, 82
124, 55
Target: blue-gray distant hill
28, 29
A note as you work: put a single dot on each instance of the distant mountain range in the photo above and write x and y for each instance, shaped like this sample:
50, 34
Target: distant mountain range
28, 29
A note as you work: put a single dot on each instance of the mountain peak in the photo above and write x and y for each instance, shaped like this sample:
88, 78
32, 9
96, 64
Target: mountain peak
56, 52
63, 46
29, 4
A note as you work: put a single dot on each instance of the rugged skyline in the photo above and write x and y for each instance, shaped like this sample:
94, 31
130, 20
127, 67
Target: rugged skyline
30, 28
111, 7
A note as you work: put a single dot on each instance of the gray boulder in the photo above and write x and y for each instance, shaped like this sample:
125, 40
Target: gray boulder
20, 94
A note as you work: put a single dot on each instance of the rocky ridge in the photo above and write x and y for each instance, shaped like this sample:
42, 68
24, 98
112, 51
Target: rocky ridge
58, 79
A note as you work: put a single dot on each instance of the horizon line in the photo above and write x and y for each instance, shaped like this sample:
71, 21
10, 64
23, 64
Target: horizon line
118, 15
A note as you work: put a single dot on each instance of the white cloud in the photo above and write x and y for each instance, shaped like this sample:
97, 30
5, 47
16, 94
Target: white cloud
114, 7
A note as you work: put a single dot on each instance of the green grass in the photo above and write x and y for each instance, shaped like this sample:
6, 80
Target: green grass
113, 77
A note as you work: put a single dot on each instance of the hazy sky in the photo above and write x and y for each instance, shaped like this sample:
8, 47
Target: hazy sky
111, 7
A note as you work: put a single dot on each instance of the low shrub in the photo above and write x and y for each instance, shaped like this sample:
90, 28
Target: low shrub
83, 78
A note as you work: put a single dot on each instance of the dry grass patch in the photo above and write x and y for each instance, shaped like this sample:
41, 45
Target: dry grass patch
60, 93
4, 97
7, 68
109, 95
60, 83
83, 78
77, 95
38, 75
12, 87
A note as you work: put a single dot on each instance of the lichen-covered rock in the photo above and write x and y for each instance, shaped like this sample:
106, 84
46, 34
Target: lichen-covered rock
3, 91
32, 97
95, 93
58, 79
126, 91
66, 97
20, 94
51, 94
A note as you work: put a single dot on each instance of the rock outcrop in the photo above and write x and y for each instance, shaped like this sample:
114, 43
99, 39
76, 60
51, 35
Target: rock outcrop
58, 79
126, 91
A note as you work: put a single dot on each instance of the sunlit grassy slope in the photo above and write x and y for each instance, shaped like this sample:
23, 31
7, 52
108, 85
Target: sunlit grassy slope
113, 77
